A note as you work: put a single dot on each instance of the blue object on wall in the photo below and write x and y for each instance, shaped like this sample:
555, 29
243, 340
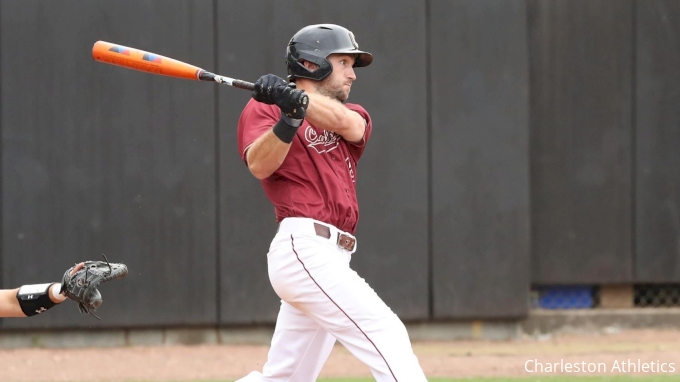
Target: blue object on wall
565, 297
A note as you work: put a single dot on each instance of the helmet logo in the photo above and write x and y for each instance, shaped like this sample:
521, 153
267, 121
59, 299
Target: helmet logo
354, 42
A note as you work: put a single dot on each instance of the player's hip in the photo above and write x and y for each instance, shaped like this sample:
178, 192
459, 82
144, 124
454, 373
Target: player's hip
314, 231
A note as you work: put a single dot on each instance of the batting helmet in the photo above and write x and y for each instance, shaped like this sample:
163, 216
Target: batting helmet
314, 43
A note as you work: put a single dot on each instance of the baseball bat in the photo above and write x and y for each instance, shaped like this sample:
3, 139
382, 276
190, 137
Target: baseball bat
136, 59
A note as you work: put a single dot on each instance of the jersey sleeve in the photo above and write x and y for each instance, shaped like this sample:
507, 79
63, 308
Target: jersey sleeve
356, 149
256, 119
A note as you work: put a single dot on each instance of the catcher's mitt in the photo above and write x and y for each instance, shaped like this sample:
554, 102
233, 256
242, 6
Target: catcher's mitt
82, 285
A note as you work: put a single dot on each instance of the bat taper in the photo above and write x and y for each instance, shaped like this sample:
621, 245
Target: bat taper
136, 59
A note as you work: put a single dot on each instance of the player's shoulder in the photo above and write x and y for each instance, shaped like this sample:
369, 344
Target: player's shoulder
359, 109
354, 106
362, 112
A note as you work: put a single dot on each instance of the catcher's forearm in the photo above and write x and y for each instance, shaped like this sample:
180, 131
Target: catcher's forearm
10, 305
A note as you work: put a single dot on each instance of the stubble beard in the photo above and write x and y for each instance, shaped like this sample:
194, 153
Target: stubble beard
329, 89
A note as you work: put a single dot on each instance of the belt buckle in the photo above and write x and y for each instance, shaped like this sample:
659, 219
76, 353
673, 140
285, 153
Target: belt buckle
345, 241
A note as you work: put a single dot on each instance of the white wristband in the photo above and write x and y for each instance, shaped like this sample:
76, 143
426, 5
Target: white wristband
56, 293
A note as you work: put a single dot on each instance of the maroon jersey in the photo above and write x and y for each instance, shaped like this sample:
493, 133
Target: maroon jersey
318, 177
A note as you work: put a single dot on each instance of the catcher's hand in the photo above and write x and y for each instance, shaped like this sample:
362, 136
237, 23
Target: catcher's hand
81, 284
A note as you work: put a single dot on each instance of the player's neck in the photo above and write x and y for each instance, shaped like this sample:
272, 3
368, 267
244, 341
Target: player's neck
306, 85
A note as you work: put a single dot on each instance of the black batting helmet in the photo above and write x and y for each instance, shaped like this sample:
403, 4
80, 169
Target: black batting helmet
314, 43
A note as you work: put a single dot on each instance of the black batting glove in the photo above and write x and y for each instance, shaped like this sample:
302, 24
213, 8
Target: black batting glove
289, 100
268, 88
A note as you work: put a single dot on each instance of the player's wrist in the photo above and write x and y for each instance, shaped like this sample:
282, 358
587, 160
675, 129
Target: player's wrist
291, 121
286, 128
56, 294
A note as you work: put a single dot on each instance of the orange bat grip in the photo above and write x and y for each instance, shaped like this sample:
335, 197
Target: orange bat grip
132, 58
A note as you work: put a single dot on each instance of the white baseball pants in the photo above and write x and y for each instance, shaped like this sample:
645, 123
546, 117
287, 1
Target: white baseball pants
323, 299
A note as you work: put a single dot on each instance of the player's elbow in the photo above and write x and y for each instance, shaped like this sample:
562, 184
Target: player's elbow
343, 120
256, 164
259, 171
352, 128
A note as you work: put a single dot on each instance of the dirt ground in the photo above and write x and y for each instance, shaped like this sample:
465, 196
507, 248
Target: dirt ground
615, 353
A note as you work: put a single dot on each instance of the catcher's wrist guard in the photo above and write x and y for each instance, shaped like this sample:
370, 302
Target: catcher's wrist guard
35, 299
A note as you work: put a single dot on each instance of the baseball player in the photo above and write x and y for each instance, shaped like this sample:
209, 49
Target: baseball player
306, 156
30, 300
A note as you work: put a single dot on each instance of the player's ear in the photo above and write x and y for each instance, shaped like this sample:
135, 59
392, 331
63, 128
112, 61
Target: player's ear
310, 65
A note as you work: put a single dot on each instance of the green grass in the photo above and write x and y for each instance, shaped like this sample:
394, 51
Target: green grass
529, 379
566, 378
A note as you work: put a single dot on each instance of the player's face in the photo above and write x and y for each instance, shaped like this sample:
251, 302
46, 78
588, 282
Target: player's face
337, 85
